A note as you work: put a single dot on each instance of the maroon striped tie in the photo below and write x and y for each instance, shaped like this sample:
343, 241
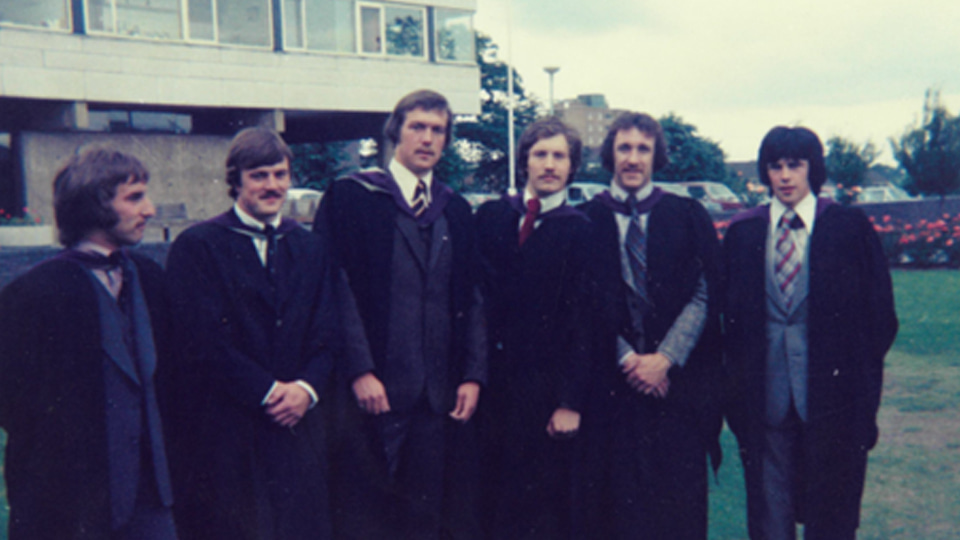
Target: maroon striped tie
788, 261
533, 210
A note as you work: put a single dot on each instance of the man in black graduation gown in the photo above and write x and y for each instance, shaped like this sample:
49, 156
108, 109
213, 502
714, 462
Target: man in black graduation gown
80, 339
657, 328
254, 316
414, 358
809, 317
534, 249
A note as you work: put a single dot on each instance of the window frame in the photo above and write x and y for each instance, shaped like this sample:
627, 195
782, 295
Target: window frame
425, 41
68, 30
436, 37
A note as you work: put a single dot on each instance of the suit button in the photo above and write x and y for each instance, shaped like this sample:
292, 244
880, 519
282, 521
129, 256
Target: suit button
279, 323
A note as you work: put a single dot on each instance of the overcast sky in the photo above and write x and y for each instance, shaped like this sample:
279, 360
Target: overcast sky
736, 68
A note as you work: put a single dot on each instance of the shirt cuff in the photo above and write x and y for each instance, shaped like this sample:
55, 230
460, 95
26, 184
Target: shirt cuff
313, 395
266, 398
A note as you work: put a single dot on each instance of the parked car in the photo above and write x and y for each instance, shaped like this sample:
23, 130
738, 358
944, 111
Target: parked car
888, 193
581, 192
681, 189
477, 198
302, 204
716, 192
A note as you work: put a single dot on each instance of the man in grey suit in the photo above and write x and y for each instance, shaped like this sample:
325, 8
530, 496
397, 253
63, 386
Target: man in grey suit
80, 339
809, 317
415, 354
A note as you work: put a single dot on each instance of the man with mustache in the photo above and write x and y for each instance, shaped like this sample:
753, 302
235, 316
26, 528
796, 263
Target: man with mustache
254, 311
809, 317
657, 337
81, 339
534, 249
415, 358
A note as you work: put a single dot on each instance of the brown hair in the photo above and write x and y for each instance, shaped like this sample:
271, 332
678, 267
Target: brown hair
84, 188
251, 148
545, 129
427, 100
646, 124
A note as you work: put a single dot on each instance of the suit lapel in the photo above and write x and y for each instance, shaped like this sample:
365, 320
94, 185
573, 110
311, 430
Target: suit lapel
411, 234
439, 241
111, 333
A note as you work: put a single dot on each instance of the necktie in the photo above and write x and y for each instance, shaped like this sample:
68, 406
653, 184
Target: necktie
419, 203
270, 232
789, 261
533, 210
636, 246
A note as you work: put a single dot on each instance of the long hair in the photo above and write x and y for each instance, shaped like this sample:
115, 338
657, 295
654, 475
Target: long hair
84, 188
784, 142
646, 124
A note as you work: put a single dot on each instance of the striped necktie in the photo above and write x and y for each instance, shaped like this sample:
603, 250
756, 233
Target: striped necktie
529, 219
419, 203
636, 244
789, 259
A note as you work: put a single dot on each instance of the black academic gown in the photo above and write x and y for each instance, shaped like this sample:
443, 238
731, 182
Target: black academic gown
242, 476
538, 329
851, 326
53, 399
664, 494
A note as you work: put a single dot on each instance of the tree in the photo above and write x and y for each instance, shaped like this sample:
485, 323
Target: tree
486, 138
315, 165
930, 151
847, 165
692, 157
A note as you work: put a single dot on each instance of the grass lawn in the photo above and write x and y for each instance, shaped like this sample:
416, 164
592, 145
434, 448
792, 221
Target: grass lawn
913, 479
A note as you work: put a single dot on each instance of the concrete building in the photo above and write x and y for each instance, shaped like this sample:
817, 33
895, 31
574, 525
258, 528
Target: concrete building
172, 80
590, 115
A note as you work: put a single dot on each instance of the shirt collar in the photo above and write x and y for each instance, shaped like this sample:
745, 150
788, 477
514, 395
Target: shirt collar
806, 209
91, 247
621, 194
407, 181
548, 203
253, 222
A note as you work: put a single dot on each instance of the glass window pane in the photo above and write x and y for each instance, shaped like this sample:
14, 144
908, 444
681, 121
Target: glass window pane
455, 40
370, 22
100, 16
404, 31
330, 25
201, 19
293, 24
244, 22
43, 13
158, 19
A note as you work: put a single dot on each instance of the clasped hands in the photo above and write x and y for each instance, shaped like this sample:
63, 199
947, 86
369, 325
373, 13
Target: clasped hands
287, 403
647, 373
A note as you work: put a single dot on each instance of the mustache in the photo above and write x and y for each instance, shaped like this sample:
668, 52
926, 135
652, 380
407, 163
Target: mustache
271, 194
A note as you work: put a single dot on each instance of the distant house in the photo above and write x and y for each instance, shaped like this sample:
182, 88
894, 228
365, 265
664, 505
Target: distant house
171, 81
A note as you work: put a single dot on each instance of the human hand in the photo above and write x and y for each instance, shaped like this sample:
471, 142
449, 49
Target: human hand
287, 404
371, 394
468, 394
564, 423
647, 373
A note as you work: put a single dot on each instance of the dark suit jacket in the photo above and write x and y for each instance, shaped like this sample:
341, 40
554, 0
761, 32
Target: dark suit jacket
241, 475
360, 221
681, 245
851, 325
53, 402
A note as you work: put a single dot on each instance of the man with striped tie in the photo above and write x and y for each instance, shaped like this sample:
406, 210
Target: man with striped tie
809, 316
414, 357
656, 341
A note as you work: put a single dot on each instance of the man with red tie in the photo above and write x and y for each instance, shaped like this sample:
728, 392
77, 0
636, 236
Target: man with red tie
654, 259
534, 249
809, 317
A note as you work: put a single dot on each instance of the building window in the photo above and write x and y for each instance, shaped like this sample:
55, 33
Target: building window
319, 25
238, 22
157, 19
455, 39
53, 14
402, 26
125, 121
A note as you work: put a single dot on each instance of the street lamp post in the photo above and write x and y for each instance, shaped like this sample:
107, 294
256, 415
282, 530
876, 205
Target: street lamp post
551, 70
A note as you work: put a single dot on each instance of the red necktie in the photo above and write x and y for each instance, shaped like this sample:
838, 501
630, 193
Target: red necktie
533, 210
